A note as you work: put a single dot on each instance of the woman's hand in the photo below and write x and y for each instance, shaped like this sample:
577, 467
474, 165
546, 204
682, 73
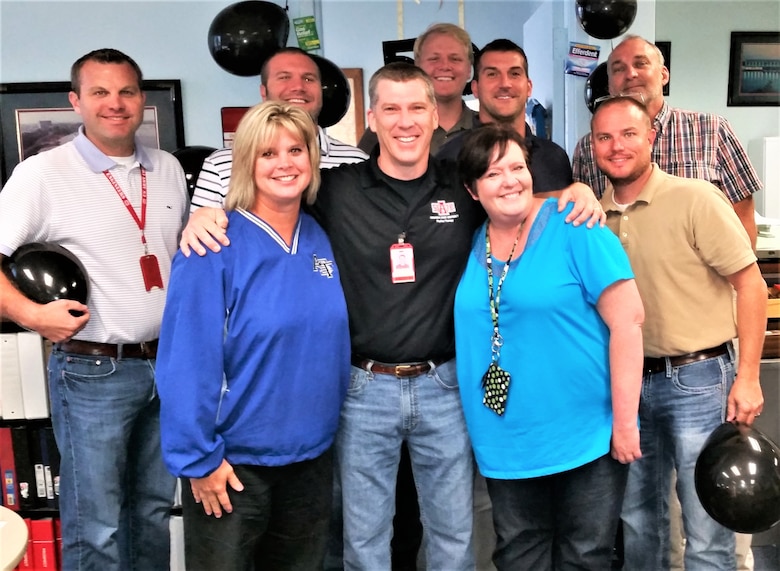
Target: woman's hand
211, 491
625, 444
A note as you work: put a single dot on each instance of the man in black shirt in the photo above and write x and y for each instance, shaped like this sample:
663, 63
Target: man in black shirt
502, 85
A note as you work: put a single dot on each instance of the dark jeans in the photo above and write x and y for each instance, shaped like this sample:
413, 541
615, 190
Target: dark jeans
564, 521
279, 522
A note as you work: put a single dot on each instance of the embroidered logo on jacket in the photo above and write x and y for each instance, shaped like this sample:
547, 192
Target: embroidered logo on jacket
324, 266
443, 212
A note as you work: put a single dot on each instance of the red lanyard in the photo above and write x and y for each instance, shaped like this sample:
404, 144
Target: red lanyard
140, 221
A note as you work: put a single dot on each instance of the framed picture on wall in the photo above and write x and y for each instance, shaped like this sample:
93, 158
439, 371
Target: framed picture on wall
35, 117
754, 69
666, 50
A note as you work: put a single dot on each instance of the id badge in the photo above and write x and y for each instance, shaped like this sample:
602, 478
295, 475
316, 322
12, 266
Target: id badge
402, 263
150, 269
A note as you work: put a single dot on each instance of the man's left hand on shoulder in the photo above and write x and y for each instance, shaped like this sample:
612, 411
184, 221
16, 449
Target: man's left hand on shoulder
587, 208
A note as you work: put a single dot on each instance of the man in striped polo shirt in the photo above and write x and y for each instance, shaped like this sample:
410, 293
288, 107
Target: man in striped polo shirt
118, 207
293, 76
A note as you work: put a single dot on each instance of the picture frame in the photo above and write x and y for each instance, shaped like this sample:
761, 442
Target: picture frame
666, 50
38, 116
754, 69
352, 125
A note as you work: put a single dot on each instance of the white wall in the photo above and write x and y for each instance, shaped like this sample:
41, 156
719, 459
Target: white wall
571, 99
700, 57
538, 46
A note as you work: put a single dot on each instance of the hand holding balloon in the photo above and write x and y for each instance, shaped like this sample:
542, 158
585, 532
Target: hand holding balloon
56, 281
60, 320
737, 478
746, 400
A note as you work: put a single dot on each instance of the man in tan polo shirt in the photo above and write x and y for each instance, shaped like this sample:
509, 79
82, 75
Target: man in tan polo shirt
689, 253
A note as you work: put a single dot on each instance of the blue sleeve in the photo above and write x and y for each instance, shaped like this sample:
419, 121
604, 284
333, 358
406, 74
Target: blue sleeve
189, 367
597, 258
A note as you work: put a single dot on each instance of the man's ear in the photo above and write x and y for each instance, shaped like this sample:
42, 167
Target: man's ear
74, 102
664, 75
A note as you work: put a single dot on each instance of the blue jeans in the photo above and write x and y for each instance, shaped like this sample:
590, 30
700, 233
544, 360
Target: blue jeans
678, 410
115, 493
379, 413
279, 521
562, 521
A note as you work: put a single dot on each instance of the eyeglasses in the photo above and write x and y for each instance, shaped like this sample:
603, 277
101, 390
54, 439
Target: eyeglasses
633, 95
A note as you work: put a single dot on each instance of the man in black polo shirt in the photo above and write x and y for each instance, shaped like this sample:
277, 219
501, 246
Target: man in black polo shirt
502, 85
401, 229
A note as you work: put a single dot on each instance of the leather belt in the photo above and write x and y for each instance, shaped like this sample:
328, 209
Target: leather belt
658, 364
146, 350
400, 370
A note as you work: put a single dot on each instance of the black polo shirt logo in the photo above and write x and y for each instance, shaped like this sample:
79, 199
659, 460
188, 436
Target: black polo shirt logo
443, 212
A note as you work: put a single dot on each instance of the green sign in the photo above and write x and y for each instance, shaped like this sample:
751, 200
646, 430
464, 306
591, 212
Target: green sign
306, 32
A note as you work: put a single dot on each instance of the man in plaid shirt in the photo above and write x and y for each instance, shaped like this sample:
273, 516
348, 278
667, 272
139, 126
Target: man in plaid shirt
688, 144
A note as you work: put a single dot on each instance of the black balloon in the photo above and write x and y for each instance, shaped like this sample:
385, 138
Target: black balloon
191, 159
738, 478
46, 272
335, 92
605, 19
244, 35
597, 85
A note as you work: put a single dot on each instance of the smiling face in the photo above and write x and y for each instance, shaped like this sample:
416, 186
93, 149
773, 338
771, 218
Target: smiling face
446, 60
404, 118
502, 86
282, 173
635, 66
622, 140
295, 79
111, 104
506, 189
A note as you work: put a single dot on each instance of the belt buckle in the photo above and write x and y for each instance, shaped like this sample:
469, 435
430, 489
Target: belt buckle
400, 369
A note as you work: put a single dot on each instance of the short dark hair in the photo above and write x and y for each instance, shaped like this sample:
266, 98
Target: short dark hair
103, 55
479, 145
499, 45
399, 71
285, 50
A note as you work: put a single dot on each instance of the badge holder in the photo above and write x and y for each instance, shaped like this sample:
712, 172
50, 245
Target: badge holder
402, 262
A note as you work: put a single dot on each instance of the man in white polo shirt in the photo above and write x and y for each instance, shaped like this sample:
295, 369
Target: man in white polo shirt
119, 207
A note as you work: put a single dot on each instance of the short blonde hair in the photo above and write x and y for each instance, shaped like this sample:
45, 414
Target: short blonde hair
444, 29
258, 130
